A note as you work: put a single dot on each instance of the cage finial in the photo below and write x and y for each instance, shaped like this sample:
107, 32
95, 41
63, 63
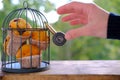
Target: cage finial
25, 4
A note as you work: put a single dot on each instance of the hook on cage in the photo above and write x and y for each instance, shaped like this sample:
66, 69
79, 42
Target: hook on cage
25, 4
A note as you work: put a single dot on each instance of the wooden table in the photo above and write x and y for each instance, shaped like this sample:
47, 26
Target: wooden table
73, 70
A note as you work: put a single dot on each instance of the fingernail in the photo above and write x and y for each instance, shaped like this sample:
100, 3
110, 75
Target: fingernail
58, 11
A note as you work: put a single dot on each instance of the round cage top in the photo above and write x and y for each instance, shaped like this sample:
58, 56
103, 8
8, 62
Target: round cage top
25, 17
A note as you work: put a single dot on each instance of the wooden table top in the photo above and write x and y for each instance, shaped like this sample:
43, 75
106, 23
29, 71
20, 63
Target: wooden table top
84, 67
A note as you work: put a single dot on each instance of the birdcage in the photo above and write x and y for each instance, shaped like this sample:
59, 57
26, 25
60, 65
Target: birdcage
26, 41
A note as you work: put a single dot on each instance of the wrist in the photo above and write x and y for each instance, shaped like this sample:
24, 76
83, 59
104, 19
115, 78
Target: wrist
113, 28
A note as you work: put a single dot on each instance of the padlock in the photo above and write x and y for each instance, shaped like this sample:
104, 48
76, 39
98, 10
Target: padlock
58, 37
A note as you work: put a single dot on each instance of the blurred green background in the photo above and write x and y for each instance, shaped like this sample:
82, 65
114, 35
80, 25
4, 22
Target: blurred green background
83, 48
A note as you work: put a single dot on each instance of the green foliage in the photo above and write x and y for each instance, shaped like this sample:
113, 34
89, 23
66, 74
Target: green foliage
91, 48
110, 5
82, 48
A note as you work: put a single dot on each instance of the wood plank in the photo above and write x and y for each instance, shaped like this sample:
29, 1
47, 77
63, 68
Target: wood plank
74, 70
111, 67
61, 77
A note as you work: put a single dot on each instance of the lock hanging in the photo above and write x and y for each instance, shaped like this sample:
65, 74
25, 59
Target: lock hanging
58, 37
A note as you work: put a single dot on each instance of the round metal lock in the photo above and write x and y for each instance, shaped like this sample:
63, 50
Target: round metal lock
59, 39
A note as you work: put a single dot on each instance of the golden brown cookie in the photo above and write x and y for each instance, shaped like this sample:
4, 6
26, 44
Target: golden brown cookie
6, 42
28, 50
40, 35
20, 25
30, 61
40, 38
29, 56
18, 35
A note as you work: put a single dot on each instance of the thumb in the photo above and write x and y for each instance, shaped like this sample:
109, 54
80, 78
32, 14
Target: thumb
74, 33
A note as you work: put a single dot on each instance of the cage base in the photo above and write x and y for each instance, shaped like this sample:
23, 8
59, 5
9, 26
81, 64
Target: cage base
16, 68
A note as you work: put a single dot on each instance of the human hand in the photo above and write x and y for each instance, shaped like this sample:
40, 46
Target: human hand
93, 18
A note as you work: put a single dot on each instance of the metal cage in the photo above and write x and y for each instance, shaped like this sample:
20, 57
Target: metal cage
26, 43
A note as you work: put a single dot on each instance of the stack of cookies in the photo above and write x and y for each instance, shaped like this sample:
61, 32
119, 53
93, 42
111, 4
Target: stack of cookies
25, 45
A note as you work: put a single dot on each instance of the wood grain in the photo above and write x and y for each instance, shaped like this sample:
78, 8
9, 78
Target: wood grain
74, 70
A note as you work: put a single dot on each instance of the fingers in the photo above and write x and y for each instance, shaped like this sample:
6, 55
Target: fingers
76, 13
78, 21
70, 8
73, 16
75, 19
70, 17
74, 33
